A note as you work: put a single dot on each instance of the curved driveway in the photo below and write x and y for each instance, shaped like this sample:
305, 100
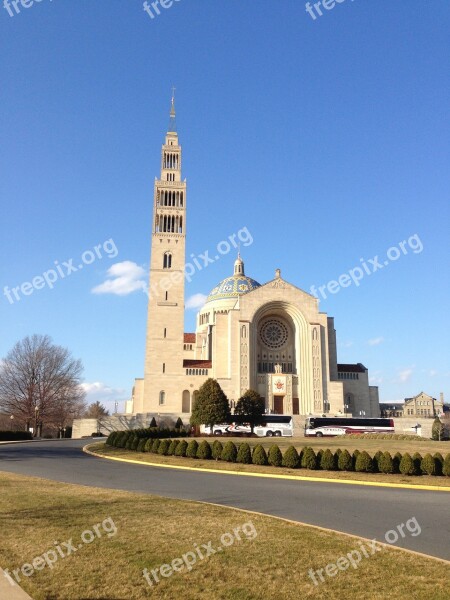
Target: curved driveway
364, 511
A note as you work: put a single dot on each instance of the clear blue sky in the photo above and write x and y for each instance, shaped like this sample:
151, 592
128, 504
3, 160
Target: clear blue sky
326, 138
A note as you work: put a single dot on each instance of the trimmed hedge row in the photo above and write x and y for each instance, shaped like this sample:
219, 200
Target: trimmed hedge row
307, 458
125, 439
13, 436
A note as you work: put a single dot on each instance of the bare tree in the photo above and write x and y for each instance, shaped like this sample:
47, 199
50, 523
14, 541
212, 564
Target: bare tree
40, 383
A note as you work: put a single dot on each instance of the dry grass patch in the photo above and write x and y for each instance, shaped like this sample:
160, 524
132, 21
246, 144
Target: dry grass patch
349, 443
152, 531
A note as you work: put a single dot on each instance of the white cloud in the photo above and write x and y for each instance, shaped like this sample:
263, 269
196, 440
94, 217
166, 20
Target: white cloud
346, 344
195, 301
108, 396
433, 373
376, 378
123, 278
375, 341
405, 375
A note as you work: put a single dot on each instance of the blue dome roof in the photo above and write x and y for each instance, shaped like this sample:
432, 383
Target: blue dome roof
233, 287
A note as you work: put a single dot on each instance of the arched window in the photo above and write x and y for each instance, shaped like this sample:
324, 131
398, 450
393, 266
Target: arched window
162, 397
167, 261
186, 402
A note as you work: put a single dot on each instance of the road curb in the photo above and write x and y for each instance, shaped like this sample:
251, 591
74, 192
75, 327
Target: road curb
402, 486
10, 590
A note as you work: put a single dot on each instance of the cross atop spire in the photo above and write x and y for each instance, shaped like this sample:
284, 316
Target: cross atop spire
172, 122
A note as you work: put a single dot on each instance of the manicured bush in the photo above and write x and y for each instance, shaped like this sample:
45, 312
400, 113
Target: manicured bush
439, 462
134, 443
204, 450
345, 462
153, 423
111, 438
309, 459
396, 460
385, 463
364, 464
179, 423
446, 467
141, 445
191, 450
148, 445
229, 452
217, 448
428, 465
259, 456
376, 461
338, 452
129, 442
181, 448
354, 457
244, 454
328, 461
275, 458
172, 447
319, 458
291, 459
155, 446
127, 437
407, 465
417, 460
164, 447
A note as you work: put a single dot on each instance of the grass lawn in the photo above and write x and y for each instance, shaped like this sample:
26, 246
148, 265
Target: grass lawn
270, 561
361, 443
102, 450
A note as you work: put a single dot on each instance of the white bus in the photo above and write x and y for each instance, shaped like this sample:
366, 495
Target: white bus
332, 426
270, 425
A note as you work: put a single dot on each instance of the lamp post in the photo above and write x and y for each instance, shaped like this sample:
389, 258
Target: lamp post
36, 420
362, 413
12, 421
346, 407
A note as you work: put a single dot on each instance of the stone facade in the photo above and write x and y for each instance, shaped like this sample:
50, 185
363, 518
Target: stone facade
271, 338
421, 405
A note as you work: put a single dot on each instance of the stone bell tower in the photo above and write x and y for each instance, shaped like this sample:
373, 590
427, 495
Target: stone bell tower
165, 324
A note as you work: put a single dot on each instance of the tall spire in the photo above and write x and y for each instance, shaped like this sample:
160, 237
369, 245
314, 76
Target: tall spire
172, 122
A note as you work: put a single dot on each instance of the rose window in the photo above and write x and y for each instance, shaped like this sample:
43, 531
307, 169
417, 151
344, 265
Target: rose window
274, 334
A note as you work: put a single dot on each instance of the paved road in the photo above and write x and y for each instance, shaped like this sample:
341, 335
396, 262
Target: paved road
365, 511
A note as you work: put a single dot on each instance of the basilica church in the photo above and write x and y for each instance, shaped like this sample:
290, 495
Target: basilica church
270, 337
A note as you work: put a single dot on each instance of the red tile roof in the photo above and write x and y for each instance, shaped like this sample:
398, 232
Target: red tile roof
192, 363
189, 338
